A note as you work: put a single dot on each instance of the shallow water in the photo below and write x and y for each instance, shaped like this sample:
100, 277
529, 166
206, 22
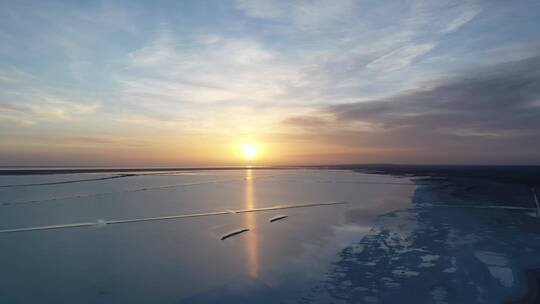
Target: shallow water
184, 260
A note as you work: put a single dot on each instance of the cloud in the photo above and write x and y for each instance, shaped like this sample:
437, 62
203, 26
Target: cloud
261, 9
306, 121
326, 52
26, 99
223, 70
91, 140
487, 115
217, 81
305, 15
494, 98
33, 107
461, 20
15, 121
399, 58
275, 53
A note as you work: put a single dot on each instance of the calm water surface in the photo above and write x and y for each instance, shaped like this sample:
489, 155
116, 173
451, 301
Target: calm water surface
185, 260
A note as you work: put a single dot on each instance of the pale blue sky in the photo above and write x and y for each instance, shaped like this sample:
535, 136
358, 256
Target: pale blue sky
102, 78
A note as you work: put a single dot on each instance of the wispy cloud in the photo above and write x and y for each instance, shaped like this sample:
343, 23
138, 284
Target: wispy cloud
465, 17
28, 100
399, 58
225, 70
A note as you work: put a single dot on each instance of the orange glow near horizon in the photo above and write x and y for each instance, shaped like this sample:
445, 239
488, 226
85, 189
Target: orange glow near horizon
252, 243
162, 150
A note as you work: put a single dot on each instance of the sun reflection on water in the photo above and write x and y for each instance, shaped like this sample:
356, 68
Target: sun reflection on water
252, 246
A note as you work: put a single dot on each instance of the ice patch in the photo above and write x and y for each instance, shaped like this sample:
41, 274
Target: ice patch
450, 270
392, 284
532, 213
491, 258
495, 261
430, 257
503, 274
439, 295
427, 264
405, 273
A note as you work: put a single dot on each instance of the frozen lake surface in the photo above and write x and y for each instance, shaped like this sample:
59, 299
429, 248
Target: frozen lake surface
207, 237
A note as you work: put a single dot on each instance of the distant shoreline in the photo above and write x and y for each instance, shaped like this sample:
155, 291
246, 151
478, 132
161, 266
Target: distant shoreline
518, 174
50, 171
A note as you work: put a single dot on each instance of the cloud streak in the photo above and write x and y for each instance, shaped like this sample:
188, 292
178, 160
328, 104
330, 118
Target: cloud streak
461, 20
399, 58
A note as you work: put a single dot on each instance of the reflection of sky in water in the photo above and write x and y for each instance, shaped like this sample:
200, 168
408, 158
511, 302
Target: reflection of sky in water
184, 261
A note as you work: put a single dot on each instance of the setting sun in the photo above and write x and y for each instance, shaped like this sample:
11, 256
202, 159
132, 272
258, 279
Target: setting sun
249, 151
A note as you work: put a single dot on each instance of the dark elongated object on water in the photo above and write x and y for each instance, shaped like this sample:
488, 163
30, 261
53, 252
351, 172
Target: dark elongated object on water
228, 235
277, 218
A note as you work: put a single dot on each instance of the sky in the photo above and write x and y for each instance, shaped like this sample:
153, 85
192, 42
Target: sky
185, 83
